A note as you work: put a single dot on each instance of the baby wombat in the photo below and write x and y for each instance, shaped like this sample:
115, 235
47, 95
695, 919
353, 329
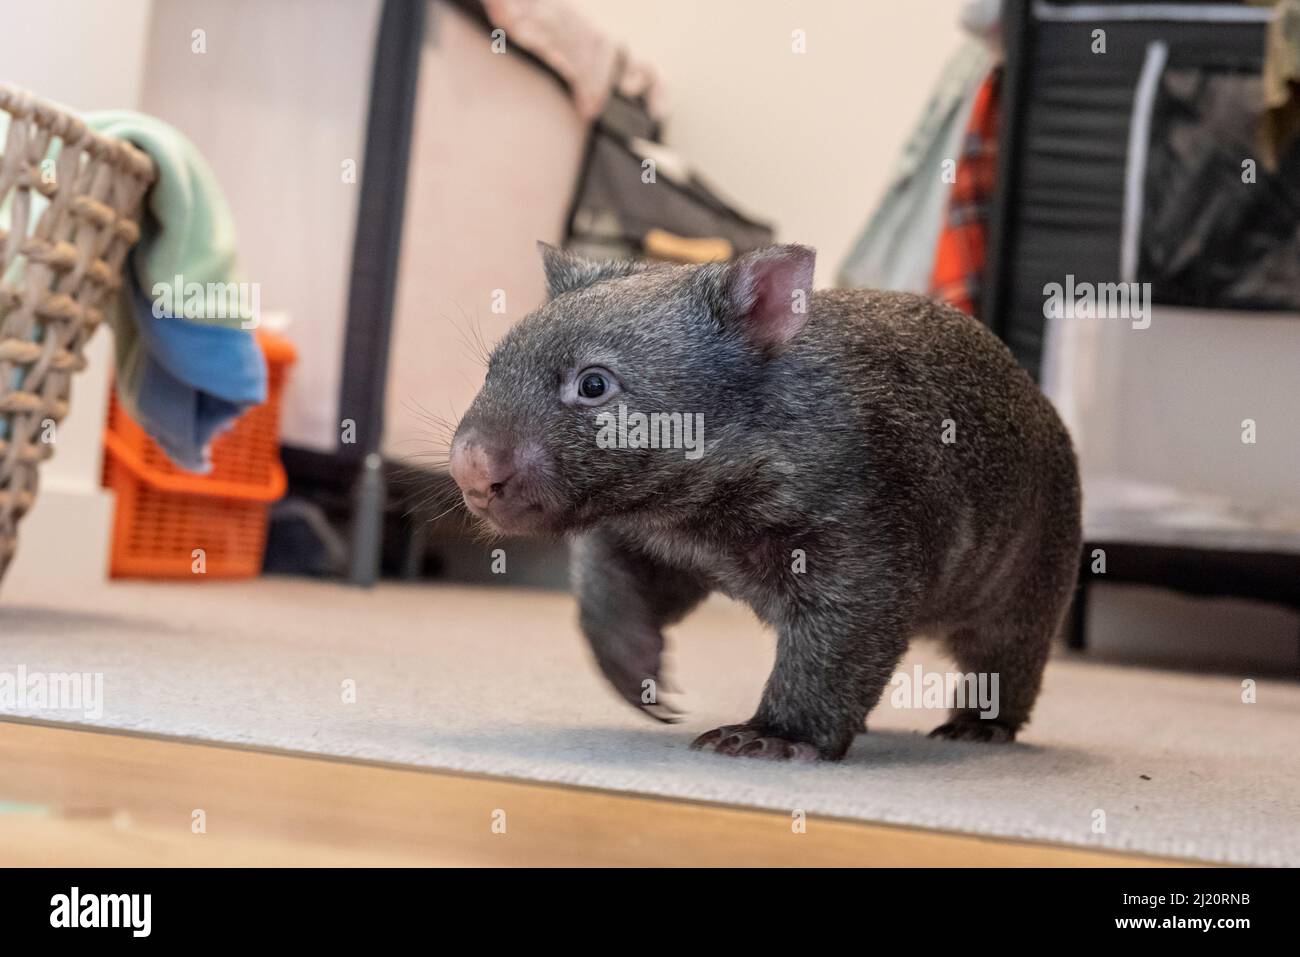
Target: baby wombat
858, 467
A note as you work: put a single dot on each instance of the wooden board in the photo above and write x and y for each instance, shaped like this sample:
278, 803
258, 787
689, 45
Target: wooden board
81, 798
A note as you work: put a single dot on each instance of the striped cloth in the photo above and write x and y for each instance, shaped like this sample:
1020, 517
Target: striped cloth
961, 254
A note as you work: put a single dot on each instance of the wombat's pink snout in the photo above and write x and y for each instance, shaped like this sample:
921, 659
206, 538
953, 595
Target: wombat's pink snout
482, 472
498, 481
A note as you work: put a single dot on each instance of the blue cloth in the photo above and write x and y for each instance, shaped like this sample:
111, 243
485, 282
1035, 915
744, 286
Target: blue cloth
193, 382
185, 377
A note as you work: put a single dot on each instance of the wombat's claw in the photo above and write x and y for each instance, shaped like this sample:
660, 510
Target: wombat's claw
662, 711
746, 742
974, 729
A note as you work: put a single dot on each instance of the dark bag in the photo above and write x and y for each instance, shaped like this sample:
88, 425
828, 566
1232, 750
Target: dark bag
618, 214
1210, 237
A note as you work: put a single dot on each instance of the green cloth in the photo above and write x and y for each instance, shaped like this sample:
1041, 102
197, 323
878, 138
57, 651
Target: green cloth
187, 231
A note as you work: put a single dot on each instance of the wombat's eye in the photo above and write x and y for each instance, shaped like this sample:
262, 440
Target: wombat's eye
591, 386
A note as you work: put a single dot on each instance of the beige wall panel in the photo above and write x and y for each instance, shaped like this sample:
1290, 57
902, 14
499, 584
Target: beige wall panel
496, 152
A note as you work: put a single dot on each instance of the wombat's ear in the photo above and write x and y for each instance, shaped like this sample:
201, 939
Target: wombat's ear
566, 272
766, 294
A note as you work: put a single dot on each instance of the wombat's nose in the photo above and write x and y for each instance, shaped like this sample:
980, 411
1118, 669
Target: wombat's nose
481, 472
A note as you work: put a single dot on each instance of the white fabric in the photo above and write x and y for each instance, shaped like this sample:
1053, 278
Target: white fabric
557, 34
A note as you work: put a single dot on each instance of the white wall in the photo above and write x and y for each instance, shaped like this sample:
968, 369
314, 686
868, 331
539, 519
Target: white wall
87, 55
808, 140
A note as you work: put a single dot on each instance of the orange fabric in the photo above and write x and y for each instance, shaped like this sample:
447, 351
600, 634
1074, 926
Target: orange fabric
961, 255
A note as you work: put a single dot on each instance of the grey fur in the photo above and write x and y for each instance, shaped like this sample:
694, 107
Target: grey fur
830, 444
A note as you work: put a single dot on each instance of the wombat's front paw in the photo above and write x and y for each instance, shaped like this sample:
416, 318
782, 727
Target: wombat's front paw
631, 665
745, 741
974, 729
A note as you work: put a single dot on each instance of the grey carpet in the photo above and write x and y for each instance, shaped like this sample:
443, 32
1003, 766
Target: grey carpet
497, 681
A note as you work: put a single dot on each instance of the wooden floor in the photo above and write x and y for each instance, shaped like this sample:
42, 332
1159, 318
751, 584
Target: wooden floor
79, 798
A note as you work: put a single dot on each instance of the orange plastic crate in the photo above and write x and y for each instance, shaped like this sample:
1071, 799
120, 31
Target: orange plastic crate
163, 513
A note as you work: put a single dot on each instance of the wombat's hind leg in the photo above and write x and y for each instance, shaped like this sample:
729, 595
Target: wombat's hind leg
1007, 648
1002, 667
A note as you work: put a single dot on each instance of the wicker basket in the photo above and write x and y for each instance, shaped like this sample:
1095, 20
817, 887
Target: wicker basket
56, 272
